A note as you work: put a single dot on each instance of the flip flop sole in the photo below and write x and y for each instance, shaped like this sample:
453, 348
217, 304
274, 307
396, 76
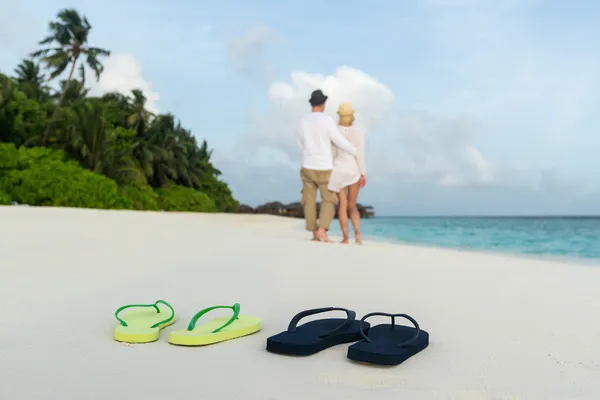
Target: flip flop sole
202, 335
139, 335
383, 348
305, 340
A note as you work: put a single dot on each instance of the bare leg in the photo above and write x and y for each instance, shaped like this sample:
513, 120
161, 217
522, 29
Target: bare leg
343, 214
354, 214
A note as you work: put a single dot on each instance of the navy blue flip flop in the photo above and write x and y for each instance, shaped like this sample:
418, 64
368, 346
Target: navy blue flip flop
389, 344
315, 336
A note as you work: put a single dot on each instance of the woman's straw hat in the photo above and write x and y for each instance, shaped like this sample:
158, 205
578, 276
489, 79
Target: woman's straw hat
345, 110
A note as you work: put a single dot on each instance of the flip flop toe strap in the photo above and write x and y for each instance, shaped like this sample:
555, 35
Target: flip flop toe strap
195, 318
393, 317
154, 305
350, 316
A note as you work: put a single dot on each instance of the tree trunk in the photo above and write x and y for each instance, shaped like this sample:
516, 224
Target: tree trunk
60, 100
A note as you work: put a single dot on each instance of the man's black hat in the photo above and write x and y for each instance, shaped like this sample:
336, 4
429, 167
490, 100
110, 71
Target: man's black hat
317, 98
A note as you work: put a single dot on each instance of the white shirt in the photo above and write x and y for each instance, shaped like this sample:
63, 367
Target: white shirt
316, 131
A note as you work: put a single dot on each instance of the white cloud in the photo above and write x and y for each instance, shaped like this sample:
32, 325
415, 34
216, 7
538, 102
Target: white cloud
257, 184
123, 73
442, 151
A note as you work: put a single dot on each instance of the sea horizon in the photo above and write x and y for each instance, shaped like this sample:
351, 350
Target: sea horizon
532, 216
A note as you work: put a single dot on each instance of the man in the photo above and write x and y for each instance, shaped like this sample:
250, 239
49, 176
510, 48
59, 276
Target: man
316, 132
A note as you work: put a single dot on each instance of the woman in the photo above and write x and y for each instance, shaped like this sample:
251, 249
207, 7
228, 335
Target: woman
349, 173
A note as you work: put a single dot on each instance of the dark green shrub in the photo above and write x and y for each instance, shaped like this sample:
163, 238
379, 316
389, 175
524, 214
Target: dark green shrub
5, 199
43, 177
12, 158
179, 198
40, 177
221, 194
143, 197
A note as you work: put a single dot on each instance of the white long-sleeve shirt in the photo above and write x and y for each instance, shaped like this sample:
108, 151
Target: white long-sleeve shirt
316, 132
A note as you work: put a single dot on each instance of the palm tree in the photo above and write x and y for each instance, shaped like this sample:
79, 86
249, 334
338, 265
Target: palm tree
70, 33
6, 89
6, 119
140, 115
30, 78
72, 92
204, 155
29, 71
97, 146
89, 135
163, 163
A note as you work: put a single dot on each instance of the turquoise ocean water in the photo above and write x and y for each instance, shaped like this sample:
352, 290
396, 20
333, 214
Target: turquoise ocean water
564, 237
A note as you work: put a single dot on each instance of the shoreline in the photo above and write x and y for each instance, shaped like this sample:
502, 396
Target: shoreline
297, 224
491, 318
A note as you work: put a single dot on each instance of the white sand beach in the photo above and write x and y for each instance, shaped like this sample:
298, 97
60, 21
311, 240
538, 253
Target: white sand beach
501, 327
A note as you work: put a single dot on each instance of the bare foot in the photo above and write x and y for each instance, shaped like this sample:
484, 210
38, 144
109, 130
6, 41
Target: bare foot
344, 240
315, 237
358, 240
322, 235
326, 239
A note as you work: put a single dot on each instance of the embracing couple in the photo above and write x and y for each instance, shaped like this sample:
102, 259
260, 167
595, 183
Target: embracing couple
333, 162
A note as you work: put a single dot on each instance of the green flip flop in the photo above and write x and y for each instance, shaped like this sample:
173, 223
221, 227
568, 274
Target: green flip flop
142, 323
216, 330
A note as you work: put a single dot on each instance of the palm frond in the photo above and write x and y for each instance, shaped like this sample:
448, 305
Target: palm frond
60, 33
47, 40
93, 62
97, 51
58, 66
40, 53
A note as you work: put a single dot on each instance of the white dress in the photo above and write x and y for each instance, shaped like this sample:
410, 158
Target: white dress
347, 169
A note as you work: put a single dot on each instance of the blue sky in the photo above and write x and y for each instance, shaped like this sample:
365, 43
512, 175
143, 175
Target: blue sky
470, 106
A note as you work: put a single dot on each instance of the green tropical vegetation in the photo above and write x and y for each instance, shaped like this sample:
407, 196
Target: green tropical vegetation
61, 147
